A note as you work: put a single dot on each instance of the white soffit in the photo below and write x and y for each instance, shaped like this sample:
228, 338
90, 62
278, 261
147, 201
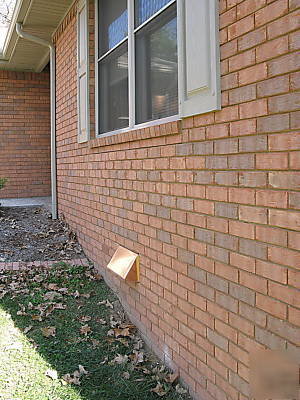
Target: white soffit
40, 18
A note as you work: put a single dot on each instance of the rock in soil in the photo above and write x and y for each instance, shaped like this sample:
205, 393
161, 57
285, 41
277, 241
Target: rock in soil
29, 234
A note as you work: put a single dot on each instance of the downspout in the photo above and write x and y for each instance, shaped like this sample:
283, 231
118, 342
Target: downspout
27, 36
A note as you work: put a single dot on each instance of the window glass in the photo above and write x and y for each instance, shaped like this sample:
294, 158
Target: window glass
113, 23
144, 9
113, 89
157, 68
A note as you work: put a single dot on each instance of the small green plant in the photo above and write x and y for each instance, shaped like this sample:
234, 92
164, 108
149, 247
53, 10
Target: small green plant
2, 182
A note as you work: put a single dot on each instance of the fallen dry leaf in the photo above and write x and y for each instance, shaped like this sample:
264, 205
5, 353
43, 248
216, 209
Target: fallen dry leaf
119, 359
49, 331
180, 389
171, 378
126, 375
51, 373
27, 329
159, 390
85, 329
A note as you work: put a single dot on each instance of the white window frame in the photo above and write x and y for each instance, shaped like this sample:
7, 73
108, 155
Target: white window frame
208, 95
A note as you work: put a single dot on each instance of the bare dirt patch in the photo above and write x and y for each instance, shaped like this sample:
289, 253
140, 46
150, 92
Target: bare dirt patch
29, 234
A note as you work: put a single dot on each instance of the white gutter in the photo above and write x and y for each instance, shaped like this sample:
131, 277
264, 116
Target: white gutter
43, 42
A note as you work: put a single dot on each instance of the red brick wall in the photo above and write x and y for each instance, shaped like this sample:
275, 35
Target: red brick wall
210, 204
25, 134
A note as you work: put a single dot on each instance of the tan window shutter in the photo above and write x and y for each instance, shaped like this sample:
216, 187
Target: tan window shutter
199, 61
82, 71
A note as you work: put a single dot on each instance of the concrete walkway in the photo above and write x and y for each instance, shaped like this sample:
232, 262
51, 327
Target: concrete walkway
27, 202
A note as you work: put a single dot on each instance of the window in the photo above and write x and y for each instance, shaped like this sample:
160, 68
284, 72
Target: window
155, 60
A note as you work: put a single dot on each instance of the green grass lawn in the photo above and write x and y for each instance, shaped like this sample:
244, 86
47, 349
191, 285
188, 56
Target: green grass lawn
60, 322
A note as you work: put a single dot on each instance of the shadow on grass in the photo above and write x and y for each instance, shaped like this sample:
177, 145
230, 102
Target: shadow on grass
82, 318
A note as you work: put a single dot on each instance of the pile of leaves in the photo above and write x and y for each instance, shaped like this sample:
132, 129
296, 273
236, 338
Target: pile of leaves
73, 321
29, 234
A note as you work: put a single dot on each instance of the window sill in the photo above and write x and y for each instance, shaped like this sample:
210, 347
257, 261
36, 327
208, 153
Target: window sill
158, 128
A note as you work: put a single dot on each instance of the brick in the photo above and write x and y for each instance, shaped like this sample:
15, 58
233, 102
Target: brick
242, 262
241, 161
218, 254
226, 178
205, 291
229, 81
253, 143
271, 12
197, 274
241, 324
284, 329
226, 146
270, 198
227, 114
217, 283
226, 271
283, 256
216, 162
294, 316
241, 128
248, 7
204, 235
242, 94
253, 314
271, 306
271, 235
217, 193
227, 302
241, 229
217, 339
253, 248
273, 86
272, 161
241, 61
226, 359
285, 219
286, 141
253, 74
283, 25
226, 330
253, 282
202, 148
227, 18
283, 103
252, 39
217, 131
293, 240
284, 293
295, 81
272, 49
241, 27
255, 108
284, 180
239, 383
294, 41
295, 160
268, 339
294, 201
283, 64
226, 210
273, 123
253, 214
226, 241
242, 293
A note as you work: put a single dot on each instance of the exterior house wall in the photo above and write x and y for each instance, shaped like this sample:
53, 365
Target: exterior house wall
210, 203
25, 133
